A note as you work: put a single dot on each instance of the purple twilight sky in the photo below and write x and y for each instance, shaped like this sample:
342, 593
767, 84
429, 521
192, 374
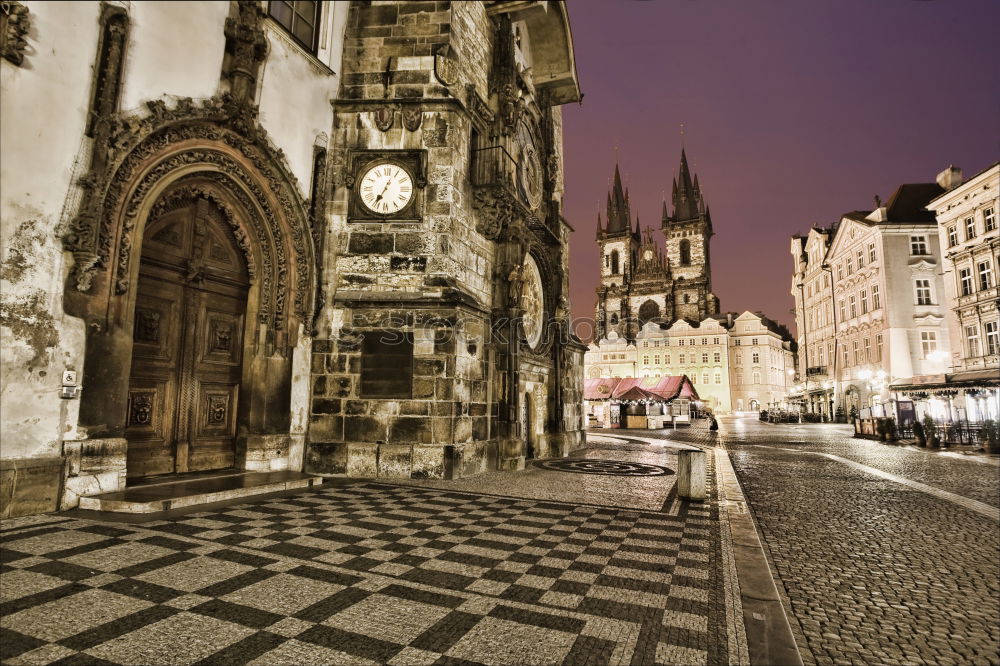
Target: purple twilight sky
794, 112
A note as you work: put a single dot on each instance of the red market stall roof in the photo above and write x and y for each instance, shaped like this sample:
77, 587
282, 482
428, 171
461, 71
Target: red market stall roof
666, 388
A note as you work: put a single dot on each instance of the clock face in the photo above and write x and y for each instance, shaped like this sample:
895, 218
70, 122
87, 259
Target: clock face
532, 302
386, 188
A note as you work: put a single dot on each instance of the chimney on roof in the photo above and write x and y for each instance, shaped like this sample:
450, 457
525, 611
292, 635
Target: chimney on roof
950, 178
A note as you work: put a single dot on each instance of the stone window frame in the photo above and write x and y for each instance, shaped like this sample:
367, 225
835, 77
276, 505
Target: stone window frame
970, 227
966, 284
924, 291
992, 335
984, 269
952, 235
989, 219
918, 246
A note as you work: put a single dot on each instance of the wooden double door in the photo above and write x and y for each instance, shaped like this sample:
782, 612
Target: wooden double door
188, 340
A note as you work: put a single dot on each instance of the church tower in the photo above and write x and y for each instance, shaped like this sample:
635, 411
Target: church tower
687, 232
619, 245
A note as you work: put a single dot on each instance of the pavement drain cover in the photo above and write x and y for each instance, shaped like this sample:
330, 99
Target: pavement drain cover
605, 467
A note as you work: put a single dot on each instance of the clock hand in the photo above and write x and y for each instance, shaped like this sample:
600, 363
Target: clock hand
387, 183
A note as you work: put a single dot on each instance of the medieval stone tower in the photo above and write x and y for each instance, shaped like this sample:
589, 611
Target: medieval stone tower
639, 283
688, 232
619, 243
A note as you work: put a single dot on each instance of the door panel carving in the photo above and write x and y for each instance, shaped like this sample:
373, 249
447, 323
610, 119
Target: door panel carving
188, 345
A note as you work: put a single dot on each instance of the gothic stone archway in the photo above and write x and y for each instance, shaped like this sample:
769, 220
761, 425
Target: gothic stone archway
214, 153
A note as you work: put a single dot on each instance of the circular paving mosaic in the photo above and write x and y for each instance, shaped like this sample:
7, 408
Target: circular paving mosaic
605, 467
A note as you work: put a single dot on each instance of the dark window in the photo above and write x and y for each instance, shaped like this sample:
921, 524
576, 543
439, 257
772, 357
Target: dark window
386, 364
299, 18
685, 252
614, 262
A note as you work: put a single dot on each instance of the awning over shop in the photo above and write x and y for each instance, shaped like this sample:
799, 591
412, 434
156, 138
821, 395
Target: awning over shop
958, 380
663, 388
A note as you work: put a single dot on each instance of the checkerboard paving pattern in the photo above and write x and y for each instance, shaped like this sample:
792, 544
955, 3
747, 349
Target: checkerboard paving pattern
367, 573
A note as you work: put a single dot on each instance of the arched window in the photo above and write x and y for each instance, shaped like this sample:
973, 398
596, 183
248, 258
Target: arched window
614, 262
685, 252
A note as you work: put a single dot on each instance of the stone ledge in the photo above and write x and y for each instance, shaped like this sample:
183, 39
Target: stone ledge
29, 485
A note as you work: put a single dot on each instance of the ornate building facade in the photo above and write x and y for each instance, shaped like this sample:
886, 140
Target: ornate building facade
208, 265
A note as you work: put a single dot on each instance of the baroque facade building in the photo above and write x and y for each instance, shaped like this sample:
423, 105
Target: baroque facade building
880, 271
736, 363
967, 215
310, 236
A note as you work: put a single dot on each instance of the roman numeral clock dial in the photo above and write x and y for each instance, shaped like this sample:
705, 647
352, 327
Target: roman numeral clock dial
386, 189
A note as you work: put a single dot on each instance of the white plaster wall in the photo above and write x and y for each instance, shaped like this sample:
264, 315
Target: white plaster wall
294, 98
42, 115
175, 48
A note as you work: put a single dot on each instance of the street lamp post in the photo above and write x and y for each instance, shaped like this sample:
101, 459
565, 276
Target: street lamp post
836, 352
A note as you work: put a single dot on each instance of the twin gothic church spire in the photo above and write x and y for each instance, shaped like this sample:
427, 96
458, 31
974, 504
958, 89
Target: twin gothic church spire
637, 277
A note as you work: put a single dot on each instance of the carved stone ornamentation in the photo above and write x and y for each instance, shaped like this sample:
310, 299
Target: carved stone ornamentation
495, 207
139, 158
511, 107
412, 115
384, 116
246, 48
14, 25
445, 67
480, 109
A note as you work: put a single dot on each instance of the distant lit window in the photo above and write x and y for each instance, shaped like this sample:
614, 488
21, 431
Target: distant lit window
864, 301
965, 277
878, 347
854, 305
868, 350
918, 245
300, 19
850, 266
704, 378
952, 236
682, 358
923, 288
985, 275
970, 228
928, 342
871, 253
861, 259
972, 340
718, 377
876, 304
857, 352
992, 337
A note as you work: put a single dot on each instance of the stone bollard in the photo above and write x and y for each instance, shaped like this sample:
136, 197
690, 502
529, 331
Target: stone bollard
691, 476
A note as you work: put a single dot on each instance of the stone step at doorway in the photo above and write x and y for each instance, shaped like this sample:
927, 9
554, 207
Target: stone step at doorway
193, 490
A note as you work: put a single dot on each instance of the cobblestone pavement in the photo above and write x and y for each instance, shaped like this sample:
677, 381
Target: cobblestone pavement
875, 572
596, 562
